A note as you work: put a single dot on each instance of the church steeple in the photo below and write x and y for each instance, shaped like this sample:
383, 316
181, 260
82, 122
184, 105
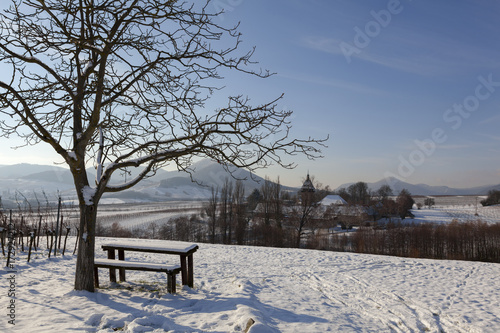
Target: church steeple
308, 185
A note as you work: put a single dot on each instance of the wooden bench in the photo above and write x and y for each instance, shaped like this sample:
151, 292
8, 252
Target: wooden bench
171, 270
181, 249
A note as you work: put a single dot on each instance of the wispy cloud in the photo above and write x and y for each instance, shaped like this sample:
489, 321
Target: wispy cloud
412, 63
490, 120
323, 44
403, 49
342, 84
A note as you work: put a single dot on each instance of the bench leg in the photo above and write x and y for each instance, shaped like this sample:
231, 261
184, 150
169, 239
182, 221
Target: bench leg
112, 271
184, 270
96, 277
121, 256
171, 283
190, 271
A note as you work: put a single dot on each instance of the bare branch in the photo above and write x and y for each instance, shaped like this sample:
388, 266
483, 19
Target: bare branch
141, 71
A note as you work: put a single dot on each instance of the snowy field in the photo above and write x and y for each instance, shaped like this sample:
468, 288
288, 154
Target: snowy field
135, 215
281, 290
446, 214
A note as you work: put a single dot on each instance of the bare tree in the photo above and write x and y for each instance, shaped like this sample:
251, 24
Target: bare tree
429, 202
404, 203
266, 205
211, 210
122, 84
240, 211
277, 202
383, 193
226, 211
359, 193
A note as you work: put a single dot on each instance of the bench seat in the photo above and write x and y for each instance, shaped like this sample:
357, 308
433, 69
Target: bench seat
171, 270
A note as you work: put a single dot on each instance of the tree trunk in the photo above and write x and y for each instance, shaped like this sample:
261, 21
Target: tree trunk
84, 276
299, 234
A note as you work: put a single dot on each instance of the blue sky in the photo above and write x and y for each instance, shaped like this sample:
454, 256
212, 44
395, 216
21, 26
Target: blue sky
403, 88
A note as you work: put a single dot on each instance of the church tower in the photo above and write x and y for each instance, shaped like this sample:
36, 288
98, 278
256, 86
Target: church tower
307, 190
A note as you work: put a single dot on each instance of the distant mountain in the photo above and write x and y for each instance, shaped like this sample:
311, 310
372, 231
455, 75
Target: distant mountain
209, 173
424, 189
59, 176
35, 181
24, 169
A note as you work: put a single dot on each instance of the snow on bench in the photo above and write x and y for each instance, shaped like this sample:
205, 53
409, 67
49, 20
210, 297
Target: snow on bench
171, 270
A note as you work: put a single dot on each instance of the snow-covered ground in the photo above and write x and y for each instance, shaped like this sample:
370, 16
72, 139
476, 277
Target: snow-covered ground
281, 290
446, 214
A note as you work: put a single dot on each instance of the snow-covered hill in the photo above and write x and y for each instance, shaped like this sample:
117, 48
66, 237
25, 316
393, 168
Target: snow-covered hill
279, 290
35, 182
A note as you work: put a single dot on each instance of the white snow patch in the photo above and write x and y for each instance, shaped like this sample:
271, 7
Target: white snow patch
281, 290
88, 195
72, 155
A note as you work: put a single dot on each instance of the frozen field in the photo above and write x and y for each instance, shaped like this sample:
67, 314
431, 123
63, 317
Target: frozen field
281, 290
460, 208
141, 215
135, 215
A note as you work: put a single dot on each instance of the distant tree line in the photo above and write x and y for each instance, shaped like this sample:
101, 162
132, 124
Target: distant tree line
381, 201
492, 199
473, 240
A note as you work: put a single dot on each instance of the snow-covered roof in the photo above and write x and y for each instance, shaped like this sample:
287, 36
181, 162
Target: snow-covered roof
333, 199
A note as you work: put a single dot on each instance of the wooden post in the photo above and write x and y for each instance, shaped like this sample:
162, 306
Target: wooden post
32, 240
51, 240
22, 240
11, 239
65, 239
34, 237
39, 230
57, 225
60, 232
28, 238
2, 239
